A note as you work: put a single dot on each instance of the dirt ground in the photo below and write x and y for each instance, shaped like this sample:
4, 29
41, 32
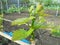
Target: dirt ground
44, 39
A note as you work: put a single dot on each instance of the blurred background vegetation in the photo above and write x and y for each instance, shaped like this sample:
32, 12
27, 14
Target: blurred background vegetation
48, 4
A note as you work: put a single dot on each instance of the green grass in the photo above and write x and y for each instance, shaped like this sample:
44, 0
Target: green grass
51, 7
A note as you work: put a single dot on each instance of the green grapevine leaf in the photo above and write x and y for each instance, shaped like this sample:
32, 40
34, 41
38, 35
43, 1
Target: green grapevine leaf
36, 25
56, 31
1, 20
21, 21
29, 32
19, 34
38, 7
40, 25
42, 19
31, 8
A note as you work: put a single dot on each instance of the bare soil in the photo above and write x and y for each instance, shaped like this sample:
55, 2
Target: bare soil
44, 39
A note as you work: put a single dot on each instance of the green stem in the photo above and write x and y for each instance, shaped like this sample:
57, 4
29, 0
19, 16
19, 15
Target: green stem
32, 25
33, 36
29, 32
